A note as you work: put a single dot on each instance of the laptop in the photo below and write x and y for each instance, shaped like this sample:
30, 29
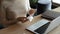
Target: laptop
39, 27
50, 14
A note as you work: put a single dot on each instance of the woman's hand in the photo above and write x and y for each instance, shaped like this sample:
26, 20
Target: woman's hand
22, 19
31, 12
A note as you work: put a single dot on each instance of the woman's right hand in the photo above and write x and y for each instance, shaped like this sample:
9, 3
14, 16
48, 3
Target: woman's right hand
22, 19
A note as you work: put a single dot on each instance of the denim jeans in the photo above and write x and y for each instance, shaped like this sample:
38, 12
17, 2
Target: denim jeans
41, 8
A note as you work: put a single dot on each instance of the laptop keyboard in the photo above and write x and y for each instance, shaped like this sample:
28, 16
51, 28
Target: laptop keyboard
37, 25
42, 29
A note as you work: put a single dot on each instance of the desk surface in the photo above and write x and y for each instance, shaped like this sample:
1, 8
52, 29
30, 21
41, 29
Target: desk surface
20, 28
56, 9
56, 1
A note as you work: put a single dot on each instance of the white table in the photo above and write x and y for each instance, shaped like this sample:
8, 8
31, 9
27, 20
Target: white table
56, 1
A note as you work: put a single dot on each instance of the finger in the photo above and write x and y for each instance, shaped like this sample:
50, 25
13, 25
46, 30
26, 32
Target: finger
24, 21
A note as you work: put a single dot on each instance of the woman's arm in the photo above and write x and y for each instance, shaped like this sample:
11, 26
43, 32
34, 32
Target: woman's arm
10, 17
4, 17
30, 11
31, 14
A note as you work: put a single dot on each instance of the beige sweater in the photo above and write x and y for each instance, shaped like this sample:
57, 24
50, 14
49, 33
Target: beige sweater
19, 7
